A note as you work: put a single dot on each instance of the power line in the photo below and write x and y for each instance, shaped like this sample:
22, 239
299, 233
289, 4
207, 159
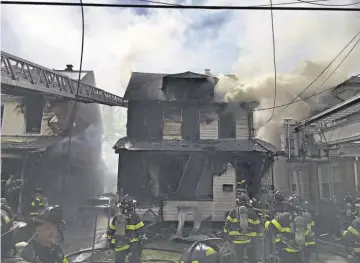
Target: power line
312, 3
74, 109
198, 7
322, 72
276, 4
274, 61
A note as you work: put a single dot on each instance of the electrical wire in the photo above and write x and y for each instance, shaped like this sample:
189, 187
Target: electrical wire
274, 61
74, 109
322, 72
288, 3
198, 7
314, 3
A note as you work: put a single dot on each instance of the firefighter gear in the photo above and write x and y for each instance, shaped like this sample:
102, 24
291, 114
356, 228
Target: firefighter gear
200, 252
242, 226
8, 250
125, 232
310, 238
352, 237
34, 251
289, 233
38, 203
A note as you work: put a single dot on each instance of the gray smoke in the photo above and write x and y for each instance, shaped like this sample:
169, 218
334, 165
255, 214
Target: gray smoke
318, 37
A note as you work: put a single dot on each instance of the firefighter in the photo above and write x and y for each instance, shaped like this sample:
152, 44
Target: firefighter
38, 202
242, 226
279, 203
309, 237
200, 252
8, 249
42, 247
125, 232
351, 237
289, 232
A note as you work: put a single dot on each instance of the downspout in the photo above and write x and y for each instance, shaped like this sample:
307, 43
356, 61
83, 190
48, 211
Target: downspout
356, 174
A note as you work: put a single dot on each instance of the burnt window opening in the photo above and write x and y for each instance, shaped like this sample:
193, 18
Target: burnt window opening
33, 114
227, 126
172, 123
229, 188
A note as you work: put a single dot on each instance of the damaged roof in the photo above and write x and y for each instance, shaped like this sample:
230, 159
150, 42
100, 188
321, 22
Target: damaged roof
28, 142
149, 86
225, 145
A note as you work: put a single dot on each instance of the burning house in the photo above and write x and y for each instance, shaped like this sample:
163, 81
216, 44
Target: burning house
185, 148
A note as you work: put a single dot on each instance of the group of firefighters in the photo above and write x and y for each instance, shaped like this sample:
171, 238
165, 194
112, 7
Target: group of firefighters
288, 226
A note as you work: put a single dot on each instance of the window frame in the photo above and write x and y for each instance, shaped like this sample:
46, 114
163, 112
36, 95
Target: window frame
168, 110
331, 180
295, 180
27, 105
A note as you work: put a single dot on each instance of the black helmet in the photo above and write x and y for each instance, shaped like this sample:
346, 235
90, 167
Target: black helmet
279, 196
51, 214
295, 201
243, 199
127, 202
38, 191
348, 198
200, 252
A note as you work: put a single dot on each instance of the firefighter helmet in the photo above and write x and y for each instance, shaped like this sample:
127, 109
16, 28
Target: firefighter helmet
127, 202
243, 199
200, 252
51, 214
348, 198
295, 201
279, 196
38, 191
8, 225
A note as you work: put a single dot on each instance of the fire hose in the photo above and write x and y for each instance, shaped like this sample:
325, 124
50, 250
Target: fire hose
87, 250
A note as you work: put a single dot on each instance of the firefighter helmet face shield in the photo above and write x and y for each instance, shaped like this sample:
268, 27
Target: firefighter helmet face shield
299, 229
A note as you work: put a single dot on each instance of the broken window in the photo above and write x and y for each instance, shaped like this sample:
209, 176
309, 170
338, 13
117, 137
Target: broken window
33, 115
172, 122
227, 127
209, 125
2, 115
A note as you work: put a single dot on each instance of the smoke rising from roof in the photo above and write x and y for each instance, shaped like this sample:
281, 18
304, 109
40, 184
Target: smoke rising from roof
302, 34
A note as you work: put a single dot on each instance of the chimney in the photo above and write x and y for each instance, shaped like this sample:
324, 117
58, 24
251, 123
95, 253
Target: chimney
69, 67
207, 72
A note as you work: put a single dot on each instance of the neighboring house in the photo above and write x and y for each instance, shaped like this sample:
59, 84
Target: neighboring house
184, 147
35, 141
320, 181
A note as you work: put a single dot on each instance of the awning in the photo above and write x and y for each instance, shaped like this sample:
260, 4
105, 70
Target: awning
225, 145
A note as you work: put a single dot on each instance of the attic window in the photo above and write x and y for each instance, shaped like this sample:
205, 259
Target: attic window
33, 115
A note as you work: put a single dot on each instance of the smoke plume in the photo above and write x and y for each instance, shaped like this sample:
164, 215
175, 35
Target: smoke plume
255, 73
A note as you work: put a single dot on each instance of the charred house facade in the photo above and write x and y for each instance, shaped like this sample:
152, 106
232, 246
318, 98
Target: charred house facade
180, 142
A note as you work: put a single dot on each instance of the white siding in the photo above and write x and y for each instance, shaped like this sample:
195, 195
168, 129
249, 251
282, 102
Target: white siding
209, 130
14, 123
242, 125
222, 203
